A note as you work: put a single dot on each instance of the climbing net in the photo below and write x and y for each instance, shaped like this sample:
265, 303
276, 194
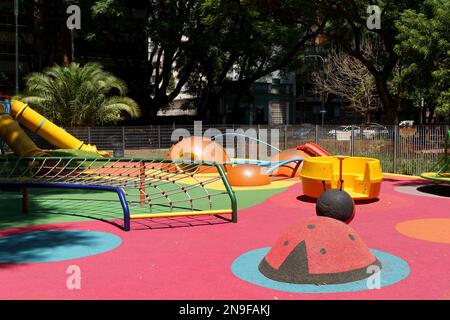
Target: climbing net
153, 188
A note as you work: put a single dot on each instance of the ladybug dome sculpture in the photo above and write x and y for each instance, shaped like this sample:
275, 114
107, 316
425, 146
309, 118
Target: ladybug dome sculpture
318, 250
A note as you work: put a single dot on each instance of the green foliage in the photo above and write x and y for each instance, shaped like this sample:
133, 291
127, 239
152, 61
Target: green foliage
79, 96
424, 49
70, 153
249, 40
443, 104
348, 27
203, 41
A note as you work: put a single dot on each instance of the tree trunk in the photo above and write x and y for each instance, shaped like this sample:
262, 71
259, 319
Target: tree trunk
367, 117
389, 103
207, 105
423, 118
432, 109
67, 44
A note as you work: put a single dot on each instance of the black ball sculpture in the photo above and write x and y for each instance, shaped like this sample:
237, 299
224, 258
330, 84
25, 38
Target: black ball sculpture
336, 204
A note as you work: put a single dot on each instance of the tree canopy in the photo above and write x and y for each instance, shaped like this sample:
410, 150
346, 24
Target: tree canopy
211, 48
424, 50
205, 41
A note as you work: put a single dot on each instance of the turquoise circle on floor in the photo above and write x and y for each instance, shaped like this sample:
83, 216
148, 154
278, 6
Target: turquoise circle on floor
246, 268
53, 246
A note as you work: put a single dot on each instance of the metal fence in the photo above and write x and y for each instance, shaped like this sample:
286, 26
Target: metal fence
410, 150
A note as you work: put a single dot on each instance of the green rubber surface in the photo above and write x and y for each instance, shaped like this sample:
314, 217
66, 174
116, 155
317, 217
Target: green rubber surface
433, 176
47, 206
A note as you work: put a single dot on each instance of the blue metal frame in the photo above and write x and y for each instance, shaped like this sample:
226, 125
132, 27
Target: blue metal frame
7, 103
43, 185
283, 163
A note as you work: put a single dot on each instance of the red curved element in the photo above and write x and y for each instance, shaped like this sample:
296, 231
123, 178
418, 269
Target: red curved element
314, 150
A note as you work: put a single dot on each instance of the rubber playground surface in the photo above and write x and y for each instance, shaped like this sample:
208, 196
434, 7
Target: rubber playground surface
206, 257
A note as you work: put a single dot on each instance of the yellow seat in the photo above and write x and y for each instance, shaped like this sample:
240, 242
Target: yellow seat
362, 177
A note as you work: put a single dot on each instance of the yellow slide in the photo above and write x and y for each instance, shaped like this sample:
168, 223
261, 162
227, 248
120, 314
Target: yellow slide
17, 139
22, 145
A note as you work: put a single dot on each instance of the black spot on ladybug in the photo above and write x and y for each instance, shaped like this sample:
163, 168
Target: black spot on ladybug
352, 237
286, 243
312, 226
323, 251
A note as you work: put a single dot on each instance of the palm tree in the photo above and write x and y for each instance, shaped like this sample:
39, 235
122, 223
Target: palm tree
73, 95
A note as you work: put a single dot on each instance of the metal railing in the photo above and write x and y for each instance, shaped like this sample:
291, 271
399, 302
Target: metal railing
401, 150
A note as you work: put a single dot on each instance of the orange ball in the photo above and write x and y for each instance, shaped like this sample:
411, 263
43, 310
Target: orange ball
248, 175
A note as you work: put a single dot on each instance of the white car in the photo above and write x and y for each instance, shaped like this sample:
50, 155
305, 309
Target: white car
406, 124
344, 129
375, 130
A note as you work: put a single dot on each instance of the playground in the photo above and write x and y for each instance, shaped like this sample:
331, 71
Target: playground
201, 225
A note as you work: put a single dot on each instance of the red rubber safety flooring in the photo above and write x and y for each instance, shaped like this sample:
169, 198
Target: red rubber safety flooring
191, 258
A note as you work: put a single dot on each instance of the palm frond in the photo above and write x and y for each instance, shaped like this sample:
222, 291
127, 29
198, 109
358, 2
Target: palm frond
80, 95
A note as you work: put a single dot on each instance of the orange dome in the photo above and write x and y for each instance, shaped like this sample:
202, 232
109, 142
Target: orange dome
248, 175
289, 170
198, 149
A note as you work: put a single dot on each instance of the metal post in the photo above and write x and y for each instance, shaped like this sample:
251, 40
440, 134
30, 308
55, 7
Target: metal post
142, 174
159, 137
316, 138
16, 14
285, 137
323, 111
352, 142
396, 148
89, 135
231, 194
123, 141
341, 168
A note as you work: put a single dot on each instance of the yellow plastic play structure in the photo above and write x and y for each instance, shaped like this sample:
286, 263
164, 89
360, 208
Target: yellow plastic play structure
360, 177
22, 145
17, 139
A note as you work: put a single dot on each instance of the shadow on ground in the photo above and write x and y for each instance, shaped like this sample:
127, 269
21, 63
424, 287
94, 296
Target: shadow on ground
436, 190
48, 206
24, 248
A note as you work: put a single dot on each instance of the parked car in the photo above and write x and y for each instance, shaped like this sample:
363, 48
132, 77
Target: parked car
406, 124
343, 130
375, 131
303, 133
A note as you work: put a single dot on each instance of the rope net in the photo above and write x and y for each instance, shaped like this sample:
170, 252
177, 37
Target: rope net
150, 186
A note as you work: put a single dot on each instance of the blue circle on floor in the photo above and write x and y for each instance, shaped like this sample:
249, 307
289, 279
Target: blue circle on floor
53, 246
246, 268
